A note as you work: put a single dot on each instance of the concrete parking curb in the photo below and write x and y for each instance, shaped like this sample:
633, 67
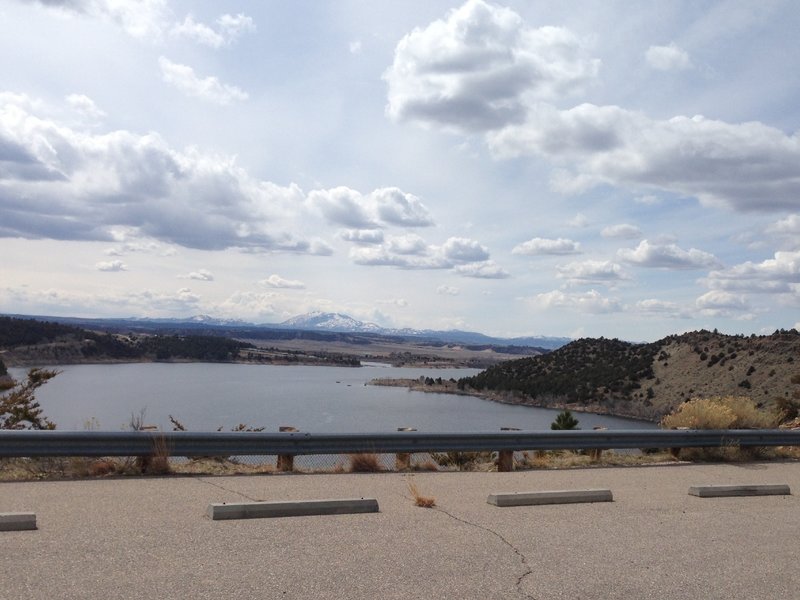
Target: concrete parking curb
723, 491
550, 497
260, 510
17, 521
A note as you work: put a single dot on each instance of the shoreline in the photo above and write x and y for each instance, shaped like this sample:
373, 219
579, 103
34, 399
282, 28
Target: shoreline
450, 387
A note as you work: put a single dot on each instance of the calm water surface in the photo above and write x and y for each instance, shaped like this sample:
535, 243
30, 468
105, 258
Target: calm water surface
314, 399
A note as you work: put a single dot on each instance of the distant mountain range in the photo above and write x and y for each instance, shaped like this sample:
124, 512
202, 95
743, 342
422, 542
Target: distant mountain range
319, 322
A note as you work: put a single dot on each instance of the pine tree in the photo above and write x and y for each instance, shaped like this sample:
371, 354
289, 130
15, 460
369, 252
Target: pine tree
564, 421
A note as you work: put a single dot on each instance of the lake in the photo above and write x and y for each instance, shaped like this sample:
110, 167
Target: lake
206, 396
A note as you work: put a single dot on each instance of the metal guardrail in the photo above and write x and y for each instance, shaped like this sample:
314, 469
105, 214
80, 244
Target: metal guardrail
136, 443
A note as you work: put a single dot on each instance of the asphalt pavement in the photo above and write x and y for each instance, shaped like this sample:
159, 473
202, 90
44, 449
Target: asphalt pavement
151, 538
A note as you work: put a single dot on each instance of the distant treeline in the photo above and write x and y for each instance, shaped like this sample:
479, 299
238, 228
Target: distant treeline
18, 333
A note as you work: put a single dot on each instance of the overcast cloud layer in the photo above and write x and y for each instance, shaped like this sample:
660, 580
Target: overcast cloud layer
572, 169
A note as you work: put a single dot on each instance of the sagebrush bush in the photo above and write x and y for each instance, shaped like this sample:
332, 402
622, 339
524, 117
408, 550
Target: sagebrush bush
719, 412
365, 463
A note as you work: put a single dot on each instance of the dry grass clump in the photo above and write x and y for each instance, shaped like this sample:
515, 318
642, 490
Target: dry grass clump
427, 465
566, 459
719, 412
365, 463
419, 499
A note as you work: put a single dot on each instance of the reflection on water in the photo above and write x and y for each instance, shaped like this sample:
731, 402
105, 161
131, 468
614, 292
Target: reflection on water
205, 397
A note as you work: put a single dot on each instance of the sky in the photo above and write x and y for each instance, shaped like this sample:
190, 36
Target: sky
571, 168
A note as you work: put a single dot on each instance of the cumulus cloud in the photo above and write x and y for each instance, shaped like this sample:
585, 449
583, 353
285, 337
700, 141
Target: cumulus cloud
668, 58
653, 306
464, 256
362, 236
59, 183
747, 166
591, 271
276, 281
209, 88
448, 290
788, 228
144, 19
229, 28
780, 274
201, 275
407, 244
667, 256
487, 269
718, 303
479, 67
459, 249
144, 302
540, 246
380, 208
591, 302
85, 106
623, 231
111, 266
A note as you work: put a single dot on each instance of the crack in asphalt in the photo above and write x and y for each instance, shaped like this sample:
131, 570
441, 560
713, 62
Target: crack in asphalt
222, 487
522, 557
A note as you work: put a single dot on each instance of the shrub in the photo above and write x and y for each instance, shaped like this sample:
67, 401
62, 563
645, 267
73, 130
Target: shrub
719, 412
419, 499
564, 421
463, 461
365, 463
18, 406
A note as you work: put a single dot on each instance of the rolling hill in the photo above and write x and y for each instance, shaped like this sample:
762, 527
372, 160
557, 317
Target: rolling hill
650, 380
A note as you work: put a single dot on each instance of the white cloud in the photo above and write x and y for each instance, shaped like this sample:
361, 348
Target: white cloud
591, 302
209, 88
276, 281
718, 303
65, 184
579, 221
788, 226
623, 231
235, 25
355, 47
667, 256
111, 266
362, 236
653, 306
479, 67
85, 106
395, 207
229, 28
482, 270
591, 271
780, 274
408, 244
463, 256
458, 249
746, 166
144, 19
540, 246
200, 275
448, 290
382, 207
668, 58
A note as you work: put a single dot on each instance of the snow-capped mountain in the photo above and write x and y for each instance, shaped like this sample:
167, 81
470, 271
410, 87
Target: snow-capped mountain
331, 322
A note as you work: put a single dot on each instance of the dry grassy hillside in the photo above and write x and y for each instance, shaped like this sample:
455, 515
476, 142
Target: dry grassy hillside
702, 364
650, 380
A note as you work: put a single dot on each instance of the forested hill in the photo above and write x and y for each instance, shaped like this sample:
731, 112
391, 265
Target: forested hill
650, 380
26, 342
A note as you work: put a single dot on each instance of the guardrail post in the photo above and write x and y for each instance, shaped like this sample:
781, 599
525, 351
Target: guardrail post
286, 461
402, 460
505, 458
596, 453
